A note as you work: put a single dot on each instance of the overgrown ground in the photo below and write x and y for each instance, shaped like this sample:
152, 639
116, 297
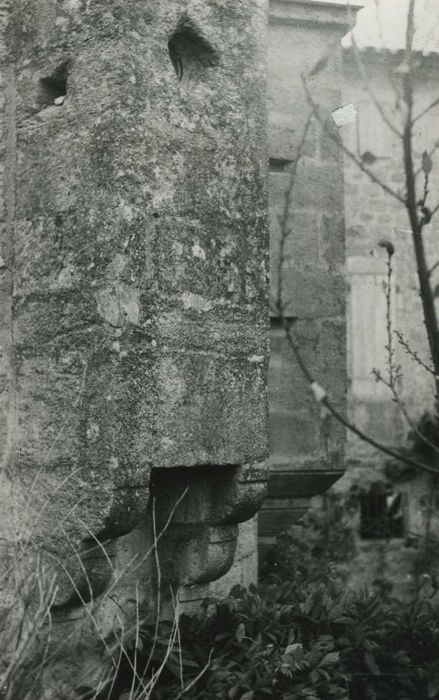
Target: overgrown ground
298, 635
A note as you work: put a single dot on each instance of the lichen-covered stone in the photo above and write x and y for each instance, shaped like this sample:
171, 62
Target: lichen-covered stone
134, 260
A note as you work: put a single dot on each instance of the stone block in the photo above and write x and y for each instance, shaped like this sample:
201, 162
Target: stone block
317, 294
291, 433
332, 242
299, 231
318, 187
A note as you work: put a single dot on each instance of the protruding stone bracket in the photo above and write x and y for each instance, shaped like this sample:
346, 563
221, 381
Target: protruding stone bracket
196, 554
89, 572
200, 542
216, 495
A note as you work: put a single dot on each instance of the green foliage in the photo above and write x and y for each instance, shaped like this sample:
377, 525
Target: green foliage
299, 634
316, 550
320, 644
423, 442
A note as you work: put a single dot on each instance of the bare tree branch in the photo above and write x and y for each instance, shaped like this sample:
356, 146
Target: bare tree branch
425, 111
434, 210
358, 162
394, 371
286, 210
322, 397
413, 354
430, 318
401, 405
366, 85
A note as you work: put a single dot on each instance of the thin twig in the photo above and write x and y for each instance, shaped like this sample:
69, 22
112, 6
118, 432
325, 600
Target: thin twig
401, 405
425, 111
88, 608
60, 433
197, 678
286, 209
170, 645
411, 204
412, 353
358, 162
434, 210
159, 581
115, 674
366, 85
322, 397
151, 548
26, 639
136, 643
394, 371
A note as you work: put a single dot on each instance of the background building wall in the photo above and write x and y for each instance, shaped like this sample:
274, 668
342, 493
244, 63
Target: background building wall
306, 448
372, 215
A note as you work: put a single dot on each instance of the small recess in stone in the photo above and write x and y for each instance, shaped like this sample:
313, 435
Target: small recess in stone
279, 165
190, 53
53, 89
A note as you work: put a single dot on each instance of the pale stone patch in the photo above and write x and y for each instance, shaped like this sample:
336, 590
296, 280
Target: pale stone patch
177, 248
198, 252
119, 304
256, 358
195, 301
344, 115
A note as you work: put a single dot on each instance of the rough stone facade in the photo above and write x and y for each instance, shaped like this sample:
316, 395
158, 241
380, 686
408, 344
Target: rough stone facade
133, 282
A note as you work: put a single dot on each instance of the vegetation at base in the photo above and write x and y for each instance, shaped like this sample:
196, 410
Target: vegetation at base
273, 641
297, 635
317, 550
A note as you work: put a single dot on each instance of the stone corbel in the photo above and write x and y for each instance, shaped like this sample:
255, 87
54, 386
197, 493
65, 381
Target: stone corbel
199, 543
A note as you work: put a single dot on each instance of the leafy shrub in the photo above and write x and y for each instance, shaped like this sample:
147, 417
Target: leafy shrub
318, 644
298, 635
315, 550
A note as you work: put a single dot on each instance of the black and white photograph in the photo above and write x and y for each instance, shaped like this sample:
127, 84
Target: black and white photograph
219, 349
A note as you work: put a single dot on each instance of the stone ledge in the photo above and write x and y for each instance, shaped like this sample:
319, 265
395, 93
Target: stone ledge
310, 12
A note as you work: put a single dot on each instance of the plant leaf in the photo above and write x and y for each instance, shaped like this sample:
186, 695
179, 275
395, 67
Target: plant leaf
332, 658
240, 632
371, 664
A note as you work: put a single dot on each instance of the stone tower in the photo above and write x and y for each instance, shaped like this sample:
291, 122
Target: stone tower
133, 286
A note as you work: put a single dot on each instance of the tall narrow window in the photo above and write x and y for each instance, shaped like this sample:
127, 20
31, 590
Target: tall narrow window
367, 326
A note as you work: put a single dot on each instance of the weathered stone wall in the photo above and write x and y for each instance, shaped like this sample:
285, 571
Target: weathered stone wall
400, 564
133, 287
306, 449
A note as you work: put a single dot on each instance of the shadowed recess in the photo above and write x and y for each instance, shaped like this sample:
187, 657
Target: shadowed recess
54, 86
191, 54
